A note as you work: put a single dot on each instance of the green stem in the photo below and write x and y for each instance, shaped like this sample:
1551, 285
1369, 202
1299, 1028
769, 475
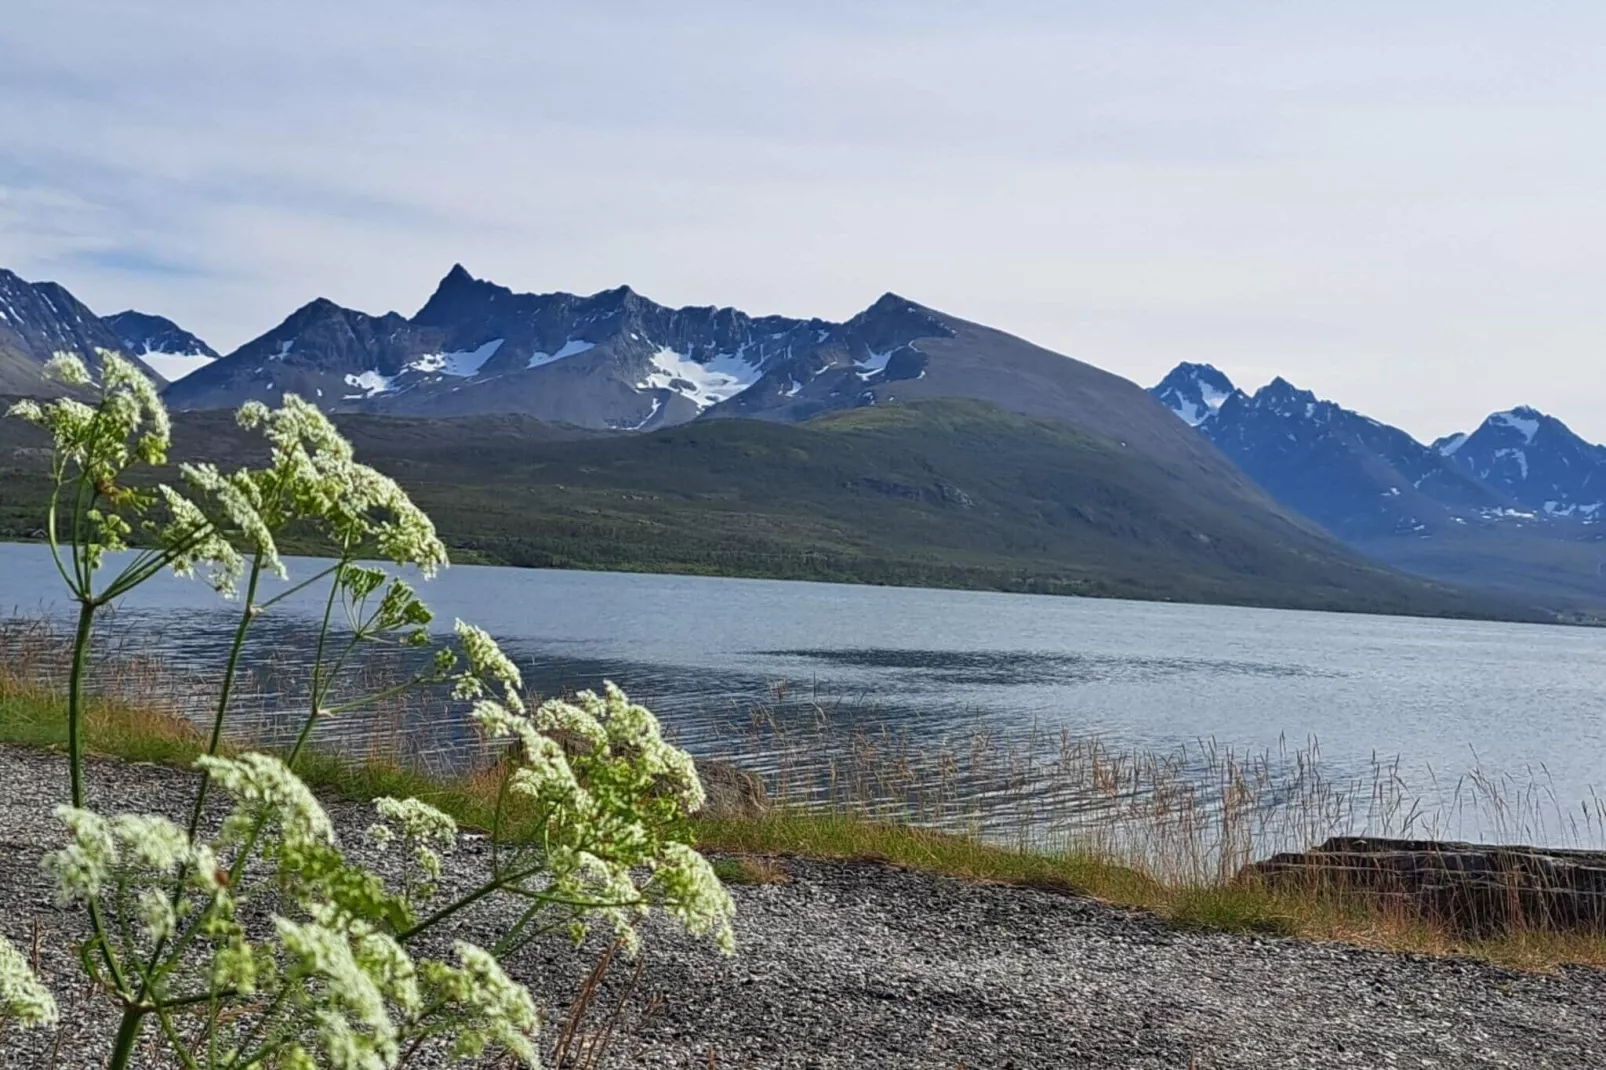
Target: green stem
247, 614
75, 699
127, 1036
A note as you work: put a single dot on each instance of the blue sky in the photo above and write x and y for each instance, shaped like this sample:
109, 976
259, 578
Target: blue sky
1402, 207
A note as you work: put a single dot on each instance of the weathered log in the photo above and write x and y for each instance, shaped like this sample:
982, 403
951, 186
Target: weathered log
1474, 889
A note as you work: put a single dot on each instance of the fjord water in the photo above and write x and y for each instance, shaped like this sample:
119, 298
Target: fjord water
1524, 700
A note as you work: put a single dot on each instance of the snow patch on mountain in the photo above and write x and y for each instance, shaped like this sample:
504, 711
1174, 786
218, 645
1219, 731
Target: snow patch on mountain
572, 348
718, 379
1525, 421
875, 363
462, 364
370, 383
1521, 458
174, 366
1449, 444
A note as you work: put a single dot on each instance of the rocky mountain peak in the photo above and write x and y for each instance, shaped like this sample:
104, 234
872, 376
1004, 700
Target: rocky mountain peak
1536, 460
161, 343
38, 320
1195, 392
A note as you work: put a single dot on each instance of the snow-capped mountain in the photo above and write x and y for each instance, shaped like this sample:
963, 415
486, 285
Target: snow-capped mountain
161, 343
1354, 475
1535, 460
1194, 392
38, 320
617, 360
610, 360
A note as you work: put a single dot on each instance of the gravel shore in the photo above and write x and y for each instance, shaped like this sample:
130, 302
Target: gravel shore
863, 965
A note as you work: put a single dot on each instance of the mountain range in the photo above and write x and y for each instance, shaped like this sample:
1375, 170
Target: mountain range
1511, 505
1270, 478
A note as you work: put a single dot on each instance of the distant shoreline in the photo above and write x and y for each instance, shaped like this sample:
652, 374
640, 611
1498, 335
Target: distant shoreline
470, 557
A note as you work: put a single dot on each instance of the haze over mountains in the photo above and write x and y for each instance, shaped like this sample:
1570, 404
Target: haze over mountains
1257, 482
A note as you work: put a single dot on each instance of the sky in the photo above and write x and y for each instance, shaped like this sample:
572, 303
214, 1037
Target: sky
1401, 207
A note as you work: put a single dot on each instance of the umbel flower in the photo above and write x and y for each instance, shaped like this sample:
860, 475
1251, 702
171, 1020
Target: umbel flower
22, 998
298, 957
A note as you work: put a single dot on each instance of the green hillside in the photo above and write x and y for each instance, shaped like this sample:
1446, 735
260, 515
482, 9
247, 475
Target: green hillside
938, 493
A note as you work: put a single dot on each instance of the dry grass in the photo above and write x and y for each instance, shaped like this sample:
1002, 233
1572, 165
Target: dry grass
1164, 833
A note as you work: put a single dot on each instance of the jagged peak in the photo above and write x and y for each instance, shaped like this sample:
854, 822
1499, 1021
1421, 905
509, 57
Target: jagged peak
1280, 389
1524, 419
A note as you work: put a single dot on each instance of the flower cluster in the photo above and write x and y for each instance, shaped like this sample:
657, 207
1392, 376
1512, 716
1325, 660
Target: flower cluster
313, 475
22, 998
130, 422
485, 1007
268, 797
297, 955
96, 444
423, 829
612, 793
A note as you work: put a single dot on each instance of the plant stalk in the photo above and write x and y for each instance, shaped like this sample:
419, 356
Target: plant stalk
247, 614
75, 698
127, 1036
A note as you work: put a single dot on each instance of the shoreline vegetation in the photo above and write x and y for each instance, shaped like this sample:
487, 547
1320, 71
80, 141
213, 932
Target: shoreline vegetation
1160, 843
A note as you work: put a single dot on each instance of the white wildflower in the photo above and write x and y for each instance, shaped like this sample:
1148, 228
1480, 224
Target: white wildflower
85, 864
240, 502
693, 893
150, 841
546, 773
265, 787
418, 820
28, 410
120, 378
354, 1026
486, 662
486, 1006
585, 877
192, 539
556, 715
67, 368
22, 998
155, 913
381, 836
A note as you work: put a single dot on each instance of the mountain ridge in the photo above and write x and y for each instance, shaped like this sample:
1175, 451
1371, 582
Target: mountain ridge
1510, 507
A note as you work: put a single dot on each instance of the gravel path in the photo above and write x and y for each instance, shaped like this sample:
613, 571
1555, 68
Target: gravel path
862, 965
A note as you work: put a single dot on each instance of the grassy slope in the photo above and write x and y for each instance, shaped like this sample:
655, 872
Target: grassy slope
941, 493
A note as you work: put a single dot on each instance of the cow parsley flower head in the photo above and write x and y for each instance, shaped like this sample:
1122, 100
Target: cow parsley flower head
486, 663
67, 369
155, 913
22, 998
423, 828
418, 820
83, 866
354, 1026
546, 774
193, 540
150, 841
130, 392
693, 893
572, 719
264, 787
486, 1007
239, 500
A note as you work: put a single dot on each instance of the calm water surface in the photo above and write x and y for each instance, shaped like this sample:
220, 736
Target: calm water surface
1440, 694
